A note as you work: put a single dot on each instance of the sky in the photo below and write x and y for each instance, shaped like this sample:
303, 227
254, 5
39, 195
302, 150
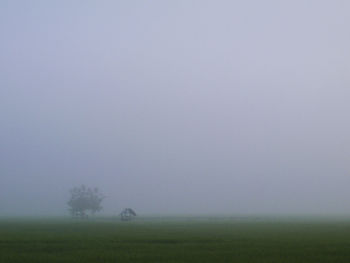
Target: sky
176, 107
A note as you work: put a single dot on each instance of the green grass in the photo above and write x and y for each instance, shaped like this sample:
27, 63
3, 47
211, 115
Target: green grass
181, 240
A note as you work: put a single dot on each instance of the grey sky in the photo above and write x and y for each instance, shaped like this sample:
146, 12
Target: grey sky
176, 106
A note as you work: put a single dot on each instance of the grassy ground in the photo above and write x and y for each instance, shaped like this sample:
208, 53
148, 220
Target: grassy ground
195, 240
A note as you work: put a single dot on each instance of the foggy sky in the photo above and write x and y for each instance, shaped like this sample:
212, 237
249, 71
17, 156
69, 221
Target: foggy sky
182, 106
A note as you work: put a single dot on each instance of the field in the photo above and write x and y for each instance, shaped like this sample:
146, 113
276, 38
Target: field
174, 240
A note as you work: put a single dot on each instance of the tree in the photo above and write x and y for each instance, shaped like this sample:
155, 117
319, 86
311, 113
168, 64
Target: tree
84, 199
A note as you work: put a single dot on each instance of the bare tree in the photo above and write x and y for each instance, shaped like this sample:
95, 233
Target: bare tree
84, 199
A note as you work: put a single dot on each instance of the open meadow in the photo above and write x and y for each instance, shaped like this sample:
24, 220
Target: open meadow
174, 240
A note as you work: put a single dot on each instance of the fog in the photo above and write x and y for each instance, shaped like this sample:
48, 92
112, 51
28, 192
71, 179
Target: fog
176, 107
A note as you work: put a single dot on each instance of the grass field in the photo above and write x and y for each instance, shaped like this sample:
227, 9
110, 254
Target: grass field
174, 240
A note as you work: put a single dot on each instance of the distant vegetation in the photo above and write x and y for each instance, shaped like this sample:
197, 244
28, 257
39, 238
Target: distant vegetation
84, 199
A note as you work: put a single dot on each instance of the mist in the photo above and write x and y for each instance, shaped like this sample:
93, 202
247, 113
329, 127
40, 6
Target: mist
176, 107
